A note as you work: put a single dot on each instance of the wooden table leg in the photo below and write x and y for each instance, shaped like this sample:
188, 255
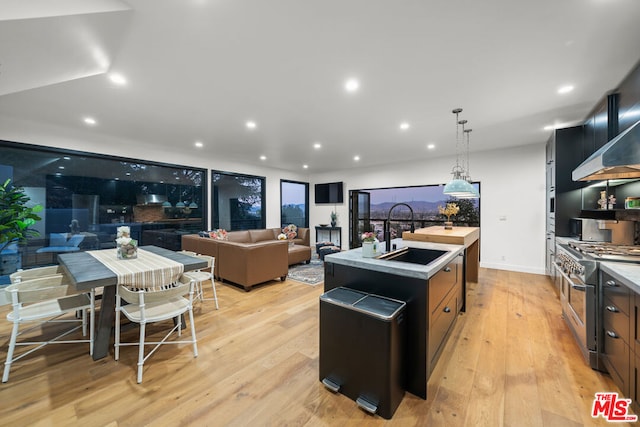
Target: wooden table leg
102, 338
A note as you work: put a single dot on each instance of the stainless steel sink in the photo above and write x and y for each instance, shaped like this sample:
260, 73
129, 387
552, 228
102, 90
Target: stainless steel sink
414, 255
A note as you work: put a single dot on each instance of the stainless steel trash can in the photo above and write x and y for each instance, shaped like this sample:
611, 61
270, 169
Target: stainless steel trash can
362, 340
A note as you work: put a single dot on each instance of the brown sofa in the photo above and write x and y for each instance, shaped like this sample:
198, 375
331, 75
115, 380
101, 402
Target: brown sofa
250, 257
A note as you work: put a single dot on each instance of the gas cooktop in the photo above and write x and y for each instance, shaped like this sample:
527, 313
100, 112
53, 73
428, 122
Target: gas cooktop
606, 251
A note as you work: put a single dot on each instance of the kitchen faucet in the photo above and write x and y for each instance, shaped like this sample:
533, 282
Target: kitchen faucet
387, 225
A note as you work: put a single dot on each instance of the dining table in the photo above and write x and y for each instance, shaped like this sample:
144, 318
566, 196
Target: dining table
101, 268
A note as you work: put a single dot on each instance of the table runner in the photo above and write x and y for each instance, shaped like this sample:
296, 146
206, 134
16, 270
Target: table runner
148, 271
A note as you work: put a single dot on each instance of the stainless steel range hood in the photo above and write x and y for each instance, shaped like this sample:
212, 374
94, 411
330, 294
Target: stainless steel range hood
617, 159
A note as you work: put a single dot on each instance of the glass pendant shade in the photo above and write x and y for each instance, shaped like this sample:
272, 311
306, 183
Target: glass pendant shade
166, 204
180, 205
473, 195
458, 188
193, 205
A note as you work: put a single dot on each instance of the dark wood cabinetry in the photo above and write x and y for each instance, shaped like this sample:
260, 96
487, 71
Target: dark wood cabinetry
616, 323
432, 307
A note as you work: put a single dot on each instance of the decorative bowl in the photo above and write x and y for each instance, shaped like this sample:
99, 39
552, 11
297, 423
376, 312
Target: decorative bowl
323, 225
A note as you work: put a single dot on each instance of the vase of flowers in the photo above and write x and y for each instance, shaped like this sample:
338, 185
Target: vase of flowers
369, 245
449, 211
219, 234
126, 247
289, 233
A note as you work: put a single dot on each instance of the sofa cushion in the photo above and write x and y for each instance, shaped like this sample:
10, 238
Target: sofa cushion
261, 235
242, 236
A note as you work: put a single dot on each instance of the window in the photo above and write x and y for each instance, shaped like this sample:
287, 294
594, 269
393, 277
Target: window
369, 210
294, 203
90, 195
238, 201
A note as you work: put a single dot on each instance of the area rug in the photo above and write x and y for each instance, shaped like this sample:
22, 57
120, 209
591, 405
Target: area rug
309, 274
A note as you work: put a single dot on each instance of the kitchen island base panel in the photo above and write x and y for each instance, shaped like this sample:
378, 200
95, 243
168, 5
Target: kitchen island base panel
419, 363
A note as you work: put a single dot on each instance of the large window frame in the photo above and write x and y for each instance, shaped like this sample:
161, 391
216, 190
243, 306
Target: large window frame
374, 220
232, 196
287, 211
92, 194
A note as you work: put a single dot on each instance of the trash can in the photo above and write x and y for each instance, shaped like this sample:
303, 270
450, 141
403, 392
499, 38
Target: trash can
362, 341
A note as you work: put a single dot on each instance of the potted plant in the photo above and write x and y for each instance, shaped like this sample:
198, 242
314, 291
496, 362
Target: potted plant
334, 218
15, 219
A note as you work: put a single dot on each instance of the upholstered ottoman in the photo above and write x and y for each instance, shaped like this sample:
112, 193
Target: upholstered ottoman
326, 250
322, 245
299, 254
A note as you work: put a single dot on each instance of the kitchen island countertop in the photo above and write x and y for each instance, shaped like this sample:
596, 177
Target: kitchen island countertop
354, 258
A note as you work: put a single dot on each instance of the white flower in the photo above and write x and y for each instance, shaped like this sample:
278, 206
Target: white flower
124, 231
282, 236
123, 240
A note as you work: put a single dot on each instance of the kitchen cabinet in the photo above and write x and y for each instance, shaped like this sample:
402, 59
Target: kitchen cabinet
620, 283
564, 153
433, 294
616, 322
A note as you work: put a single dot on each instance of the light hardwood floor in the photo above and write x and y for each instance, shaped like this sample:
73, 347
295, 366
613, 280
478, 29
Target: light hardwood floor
510, 361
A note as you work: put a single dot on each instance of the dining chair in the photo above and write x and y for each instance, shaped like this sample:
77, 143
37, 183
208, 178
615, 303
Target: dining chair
34, 273
42, 301
150, 305
202, 275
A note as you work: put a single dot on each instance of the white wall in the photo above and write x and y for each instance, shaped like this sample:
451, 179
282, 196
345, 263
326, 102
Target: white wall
512, 203
512, 186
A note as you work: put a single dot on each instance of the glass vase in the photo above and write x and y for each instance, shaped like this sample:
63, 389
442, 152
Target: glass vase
127, 251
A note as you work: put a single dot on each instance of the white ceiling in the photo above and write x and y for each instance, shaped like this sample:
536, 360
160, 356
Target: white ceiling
199, 69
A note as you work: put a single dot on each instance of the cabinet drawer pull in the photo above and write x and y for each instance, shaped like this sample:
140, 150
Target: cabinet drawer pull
447, 269
612, 309
611, 283
447, 310
612, 334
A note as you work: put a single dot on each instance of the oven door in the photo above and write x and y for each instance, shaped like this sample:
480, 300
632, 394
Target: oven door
579, 311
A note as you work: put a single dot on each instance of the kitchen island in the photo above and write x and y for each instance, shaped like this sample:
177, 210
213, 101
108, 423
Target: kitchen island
434, 295
467, 236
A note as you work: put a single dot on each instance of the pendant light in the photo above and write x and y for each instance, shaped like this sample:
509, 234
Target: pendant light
193, 204
458, 186
474, 194
166, 203
180, 203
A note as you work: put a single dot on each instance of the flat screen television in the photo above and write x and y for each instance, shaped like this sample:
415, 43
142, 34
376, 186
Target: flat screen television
331, 192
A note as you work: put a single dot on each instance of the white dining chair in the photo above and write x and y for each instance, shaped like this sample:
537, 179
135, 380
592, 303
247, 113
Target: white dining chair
146, 305
34, 273
44, 300
202, 275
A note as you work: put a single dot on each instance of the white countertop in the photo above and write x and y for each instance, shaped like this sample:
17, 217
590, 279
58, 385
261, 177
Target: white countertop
625, 272
354, 258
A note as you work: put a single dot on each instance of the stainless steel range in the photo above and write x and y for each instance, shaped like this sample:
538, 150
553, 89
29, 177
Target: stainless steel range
577, 265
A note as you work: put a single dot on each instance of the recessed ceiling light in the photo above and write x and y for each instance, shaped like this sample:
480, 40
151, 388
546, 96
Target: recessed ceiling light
128, 173
351, 85
263, 157
250, 124
317, 146
118, 79
431, 146
67, 158
60, 167
565, 89
199, 144
404, 126
90, 120
356, 158
305, 166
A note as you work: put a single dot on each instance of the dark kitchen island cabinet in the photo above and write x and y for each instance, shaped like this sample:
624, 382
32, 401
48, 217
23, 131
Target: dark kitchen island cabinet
434, 296
620, 283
